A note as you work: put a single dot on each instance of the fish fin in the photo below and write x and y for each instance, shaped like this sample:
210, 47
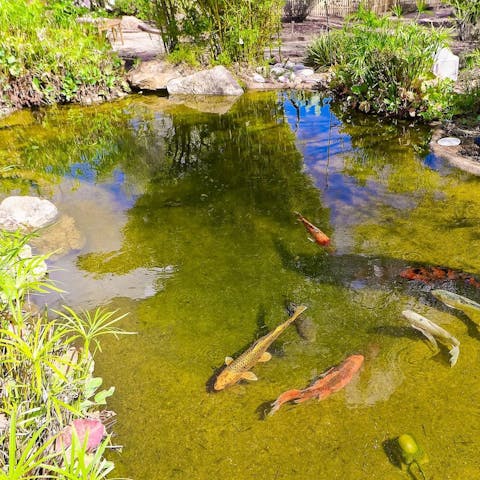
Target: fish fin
429, 336
311, 239
266, 356
326, 372
228, 360
454, 353
249, 376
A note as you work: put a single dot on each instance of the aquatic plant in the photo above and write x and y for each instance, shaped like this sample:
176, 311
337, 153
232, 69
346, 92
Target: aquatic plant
46, 374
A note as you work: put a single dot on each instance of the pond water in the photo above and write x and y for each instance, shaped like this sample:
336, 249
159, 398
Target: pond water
185, 220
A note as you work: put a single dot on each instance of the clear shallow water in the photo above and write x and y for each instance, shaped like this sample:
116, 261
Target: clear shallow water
185, 220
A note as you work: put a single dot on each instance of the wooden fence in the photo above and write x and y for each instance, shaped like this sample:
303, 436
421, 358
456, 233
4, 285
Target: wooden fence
342, 8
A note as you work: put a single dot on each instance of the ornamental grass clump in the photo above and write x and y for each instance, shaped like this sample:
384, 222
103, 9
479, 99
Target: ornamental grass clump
52, 409
384, 66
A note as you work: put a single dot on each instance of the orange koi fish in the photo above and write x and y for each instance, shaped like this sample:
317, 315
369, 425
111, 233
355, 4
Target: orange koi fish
330, 382
314, 231
434, 274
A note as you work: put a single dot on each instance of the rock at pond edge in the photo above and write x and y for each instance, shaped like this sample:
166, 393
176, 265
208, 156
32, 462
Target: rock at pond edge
215, 81
26, 213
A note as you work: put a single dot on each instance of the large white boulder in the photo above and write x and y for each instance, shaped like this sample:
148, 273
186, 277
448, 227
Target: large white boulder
26, 213
446, 64
215, 81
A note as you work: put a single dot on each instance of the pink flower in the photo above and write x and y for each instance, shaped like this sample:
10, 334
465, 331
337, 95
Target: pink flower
94, 429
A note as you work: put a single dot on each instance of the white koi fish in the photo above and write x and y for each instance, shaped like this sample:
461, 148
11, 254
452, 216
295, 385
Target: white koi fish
432, 330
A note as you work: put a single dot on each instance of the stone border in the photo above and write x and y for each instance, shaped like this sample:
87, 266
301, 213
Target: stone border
454, 155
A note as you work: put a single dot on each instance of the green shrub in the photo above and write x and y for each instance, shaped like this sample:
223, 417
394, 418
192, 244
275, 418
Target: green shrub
380, 65
186, 53
467, 15
47, 57
297, 10
234, 31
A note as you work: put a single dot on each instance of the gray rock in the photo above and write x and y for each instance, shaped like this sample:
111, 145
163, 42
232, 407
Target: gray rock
216, 81
299, 66
305, 72
62, 237
277, 71
152, 75
27, 213
289, 65
258, 78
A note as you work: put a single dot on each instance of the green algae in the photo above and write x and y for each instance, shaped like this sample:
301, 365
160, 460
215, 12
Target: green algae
213, 196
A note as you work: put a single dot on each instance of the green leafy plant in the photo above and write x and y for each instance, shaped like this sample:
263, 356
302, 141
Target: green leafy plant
379, 65
46, 56
397, 10
25, 454
467, 14
77, 463
46, 371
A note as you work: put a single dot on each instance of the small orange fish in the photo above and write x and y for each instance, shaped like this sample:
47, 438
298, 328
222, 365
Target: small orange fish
314, 231
330, 382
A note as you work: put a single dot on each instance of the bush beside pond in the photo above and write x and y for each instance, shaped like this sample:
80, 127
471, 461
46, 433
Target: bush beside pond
47, 57
384, 66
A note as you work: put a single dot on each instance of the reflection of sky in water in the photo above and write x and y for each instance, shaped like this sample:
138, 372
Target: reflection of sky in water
325, 149
114, 185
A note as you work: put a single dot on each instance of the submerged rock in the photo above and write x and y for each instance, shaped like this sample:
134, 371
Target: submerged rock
26, 213
215, 81
219, 104
61, 237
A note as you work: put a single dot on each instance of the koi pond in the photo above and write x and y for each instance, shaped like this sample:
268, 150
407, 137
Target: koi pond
185, 218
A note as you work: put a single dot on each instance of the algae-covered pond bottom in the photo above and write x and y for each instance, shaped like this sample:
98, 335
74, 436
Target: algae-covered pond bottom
185, 220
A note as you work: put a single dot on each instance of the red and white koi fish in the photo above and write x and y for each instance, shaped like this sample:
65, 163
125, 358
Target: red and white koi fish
330, 382
435, 274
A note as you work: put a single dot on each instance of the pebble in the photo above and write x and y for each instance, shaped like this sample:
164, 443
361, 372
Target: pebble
305, 72
258, 78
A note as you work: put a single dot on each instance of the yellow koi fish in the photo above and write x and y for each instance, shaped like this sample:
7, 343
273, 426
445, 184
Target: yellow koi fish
239, 368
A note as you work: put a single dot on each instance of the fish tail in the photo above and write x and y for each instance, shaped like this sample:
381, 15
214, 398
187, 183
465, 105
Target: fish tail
285, 397
308, 394
454, 353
